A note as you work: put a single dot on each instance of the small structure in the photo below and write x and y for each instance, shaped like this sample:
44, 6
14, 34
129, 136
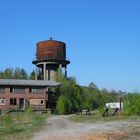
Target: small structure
114, 105
19, 94
105, 113
115, 111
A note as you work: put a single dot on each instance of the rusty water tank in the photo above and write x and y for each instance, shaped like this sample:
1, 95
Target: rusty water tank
51, 50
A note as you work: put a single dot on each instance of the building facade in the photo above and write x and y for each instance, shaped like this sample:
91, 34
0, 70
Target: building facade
20, 94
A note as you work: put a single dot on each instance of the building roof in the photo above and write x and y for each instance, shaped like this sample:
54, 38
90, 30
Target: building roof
15, 82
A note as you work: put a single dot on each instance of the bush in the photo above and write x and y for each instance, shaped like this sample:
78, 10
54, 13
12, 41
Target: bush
63, 106
71, 97
132, 104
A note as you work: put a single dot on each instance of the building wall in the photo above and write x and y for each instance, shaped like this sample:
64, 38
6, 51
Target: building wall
22, 99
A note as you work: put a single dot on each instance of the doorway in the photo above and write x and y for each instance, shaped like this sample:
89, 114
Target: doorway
21, 103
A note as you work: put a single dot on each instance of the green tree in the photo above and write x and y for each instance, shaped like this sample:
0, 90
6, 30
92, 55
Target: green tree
63, 105
92, 97
24, 74
32, 75
72, 93
1, 75
132, 104
92, 86
8, 73
20, 74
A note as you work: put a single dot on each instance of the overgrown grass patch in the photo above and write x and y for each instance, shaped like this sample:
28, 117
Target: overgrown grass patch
21, 126
95, 118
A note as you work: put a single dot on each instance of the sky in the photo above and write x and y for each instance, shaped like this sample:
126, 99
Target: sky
102, 38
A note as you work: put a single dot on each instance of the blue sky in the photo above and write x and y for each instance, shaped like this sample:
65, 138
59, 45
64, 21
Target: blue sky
102, 37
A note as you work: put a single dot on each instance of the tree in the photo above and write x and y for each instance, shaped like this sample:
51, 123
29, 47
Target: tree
1, 75
92, 86
92, 97
8, 73
63, 106
24, 74
20, 74
132, 104
72, 93
32, 75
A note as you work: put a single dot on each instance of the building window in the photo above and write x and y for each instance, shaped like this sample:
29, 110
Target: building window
42, 101
36, 102
17, 90
30, 90
11, 89
2, 101
13, 101
2, 90
36, 90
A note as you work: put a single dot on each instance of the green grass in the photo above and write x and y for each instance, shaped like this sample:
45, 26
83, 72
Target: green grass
20, 126
98, 117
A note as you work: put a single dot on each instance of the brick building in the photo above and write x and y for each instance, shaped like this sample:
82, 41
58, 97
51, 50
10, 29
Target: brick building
19, 94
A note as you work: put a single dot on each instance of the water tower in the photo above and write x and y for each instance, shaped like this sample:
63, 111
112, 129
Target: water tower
50, 56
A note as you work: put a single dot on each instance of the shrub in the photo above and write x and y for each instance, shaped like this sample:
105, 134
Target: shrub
63, 105
132, 104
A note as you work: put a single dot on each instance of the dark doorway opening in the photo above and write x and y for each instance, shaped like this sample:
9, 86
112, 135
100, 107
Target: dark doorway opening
21, 103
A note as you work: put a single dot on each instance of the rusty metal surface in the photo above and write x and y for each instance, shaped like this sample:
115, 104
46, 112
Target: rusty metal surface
51, 49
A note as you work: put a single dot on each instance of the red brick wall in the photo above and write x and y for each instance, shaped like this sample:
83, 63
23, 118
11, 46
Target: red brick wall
7, 95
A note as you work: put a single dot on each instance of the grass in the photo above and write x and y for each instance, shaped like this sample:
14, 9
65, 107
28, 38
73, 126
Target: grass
21, 126
98, 117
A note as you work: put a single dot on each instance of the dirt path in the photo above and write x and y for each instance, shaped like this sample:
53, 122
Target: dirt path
60, 128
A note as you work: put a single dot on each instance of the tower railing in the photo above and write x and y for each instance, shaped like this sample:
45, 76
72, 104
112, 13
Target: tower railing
50, 58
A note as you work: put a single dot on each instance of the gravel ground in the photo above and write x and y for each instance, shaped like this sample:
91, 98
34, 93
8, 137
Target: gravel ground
61, 128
